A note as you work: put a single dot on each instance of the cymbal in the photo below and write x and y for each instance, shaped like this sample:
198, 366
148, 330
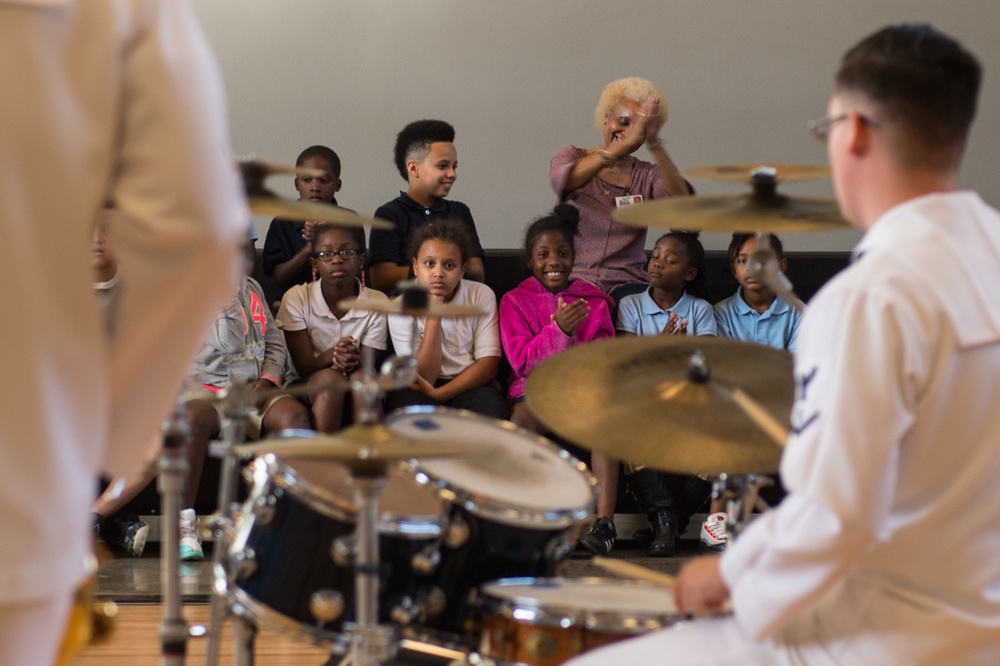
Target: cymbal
740, 173
738, 214
289, 209
639, 399
358, 447
265, 202
397, 306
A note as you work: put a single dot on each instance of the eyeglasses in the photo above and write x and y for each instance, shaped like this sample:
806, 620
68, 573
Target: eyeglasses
327, 256
820, 127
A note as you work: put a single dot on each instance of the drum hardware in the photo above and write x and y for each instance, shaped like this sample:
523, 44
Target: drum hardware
763, 210
326, 606
764, 267
173, 469
265, 202
740, 492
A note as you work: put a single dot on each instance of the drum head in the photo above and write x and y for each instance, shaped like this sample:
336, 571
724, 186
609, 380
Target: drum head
519, 477
323, 484
599, 603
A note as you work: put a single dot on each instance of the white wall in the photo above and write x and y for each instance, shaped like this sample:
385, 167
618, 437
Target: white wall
519, 79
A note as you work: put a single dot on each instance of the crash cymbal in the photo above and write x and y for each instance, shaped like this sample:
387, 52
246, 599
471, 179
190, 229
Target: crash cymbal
763, 210
668, 401
741, 173
400, 307
265, 202
358, 447
298, 210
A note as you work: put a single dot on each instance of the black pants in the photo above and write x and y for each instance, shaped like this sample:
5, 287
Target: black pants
486, 400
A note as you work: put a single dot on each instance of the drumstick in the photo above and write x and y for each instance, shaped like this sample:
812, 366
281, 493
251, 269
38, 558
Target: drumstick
631, 570
761, 417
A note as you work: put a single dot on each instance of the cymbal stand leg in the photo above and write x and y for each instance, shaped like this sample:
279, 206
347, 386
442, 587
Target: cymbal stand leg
233, 431
173, 469
246, 635
372, 644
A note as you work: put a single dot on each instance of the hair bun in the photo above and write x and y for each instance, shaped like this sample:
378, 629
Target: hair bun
569, 215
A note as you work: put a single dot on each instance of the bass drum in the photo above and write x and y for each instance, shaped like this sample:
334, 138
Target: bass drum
515, 509
290, 564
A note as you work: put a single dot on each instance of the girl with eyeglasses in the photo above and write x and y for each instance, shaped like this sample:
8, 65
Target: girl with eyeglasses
325, 341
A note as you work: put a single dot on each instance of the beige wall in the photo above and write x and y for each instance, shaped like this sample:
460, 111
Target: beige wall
519, 80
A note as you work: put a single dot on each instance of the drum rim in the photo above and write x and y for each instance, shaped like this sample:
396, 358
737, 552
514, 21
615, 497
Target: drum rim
555, 614
489, 507
283, 475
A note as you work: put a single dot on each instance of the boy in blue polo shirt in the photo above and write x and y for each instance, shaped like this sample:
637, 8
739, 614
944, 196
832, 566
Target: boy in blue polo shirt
755, 313
426, 158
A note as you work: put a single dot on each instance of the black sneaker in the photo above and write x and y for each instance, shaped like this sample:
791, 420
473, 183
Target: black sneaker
127, 533
601, 537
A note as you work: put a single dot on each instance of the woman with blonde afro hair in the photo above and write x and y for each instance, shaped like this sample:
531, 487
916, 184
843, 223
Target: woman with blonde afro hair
597, 181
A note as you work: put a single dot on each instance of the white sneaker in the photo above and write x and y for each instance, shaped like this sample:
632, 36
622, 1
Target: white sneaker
190, 541
714, 534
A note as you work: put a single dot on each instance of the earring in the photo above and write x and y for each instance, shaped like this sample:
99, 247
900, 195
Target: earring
314, 275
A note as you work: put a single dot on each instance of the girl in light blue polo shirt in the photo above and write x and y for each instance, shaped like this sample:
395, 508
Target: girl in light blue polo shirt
668, 307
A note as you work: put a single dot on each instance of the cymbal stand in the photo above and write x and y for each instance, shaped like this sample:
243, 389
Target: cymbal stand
173, 470
237, 401
764, 267
371, 642
740, 491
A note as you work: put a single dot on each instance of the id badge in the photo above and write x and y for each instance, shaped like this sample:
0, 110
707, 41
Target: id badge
626, 201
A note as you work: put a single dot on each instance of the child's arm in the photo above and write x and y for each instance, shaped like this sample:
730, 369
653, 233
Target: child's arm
286, 272
524, 342
429, 352
482, 371
386, 275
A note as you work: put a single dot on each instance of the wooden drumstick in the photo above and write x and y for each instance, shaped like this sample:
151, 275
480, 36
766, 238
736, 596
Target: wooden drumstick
761, 417
636, 571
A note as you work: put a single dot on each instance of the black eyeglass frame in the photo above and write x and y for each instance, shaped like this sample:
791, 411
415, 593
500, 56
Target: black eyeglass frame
327, 256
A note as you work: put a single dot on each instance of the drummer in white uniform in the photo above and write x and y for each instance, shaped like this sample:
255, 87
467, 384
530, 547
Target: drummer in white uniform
885, 550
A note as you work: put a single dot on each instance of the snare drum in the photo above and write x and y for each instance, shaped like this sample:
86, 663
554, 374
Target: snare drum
544, 622
515, 509
290, 563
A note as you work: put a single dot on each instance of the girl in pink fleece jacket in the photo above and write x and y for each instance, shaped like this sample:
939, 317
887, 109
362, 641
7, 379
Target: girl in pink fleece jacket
548, 312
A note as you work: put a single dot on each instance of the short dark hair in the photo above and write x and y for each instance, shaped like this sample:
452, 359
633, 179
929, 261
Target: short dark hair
417, 137
922, 80
450, 231
564, 219
357, 234
696, 251
739, 239
323, 153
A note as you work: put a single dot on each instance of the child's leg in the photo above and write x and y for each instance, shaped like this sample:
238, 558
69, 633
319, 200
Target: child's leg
486, 400
605, 470
204, 423
520, 415
328, 405
283, 412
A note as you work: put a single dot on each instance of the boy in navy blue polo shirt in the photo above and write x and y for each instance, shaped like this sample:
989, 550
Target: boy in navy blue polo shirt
426, 158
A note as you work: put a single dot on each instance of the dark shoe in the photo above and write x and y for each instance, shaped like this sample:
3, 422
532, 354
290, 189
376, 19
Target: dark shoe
601, 537
125, 532
664, 542
643, 537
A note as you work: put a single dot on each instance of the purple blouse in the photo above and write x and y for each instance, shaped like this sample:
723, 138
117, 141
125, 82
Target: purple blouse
608, 253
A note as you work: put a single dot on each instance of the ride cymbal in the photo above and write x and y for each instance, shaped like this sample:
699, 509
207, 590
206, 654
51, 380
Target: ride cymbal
762, 211
740, 173
667, 402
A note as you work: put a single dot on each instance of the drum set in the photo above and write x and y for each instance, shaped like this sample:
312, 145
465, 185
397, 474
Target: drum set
442, 533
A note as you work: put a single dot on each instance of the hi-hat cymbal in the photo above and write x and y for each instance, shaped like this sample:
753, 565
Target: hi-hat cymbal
639, 399
400, 307
258, 169
740, 173
358, 447
738, 214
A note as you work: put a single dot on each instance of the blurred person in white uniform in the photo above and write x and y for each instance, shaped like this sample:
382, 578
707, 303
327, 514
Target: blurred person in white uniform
115, 100
885, 549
